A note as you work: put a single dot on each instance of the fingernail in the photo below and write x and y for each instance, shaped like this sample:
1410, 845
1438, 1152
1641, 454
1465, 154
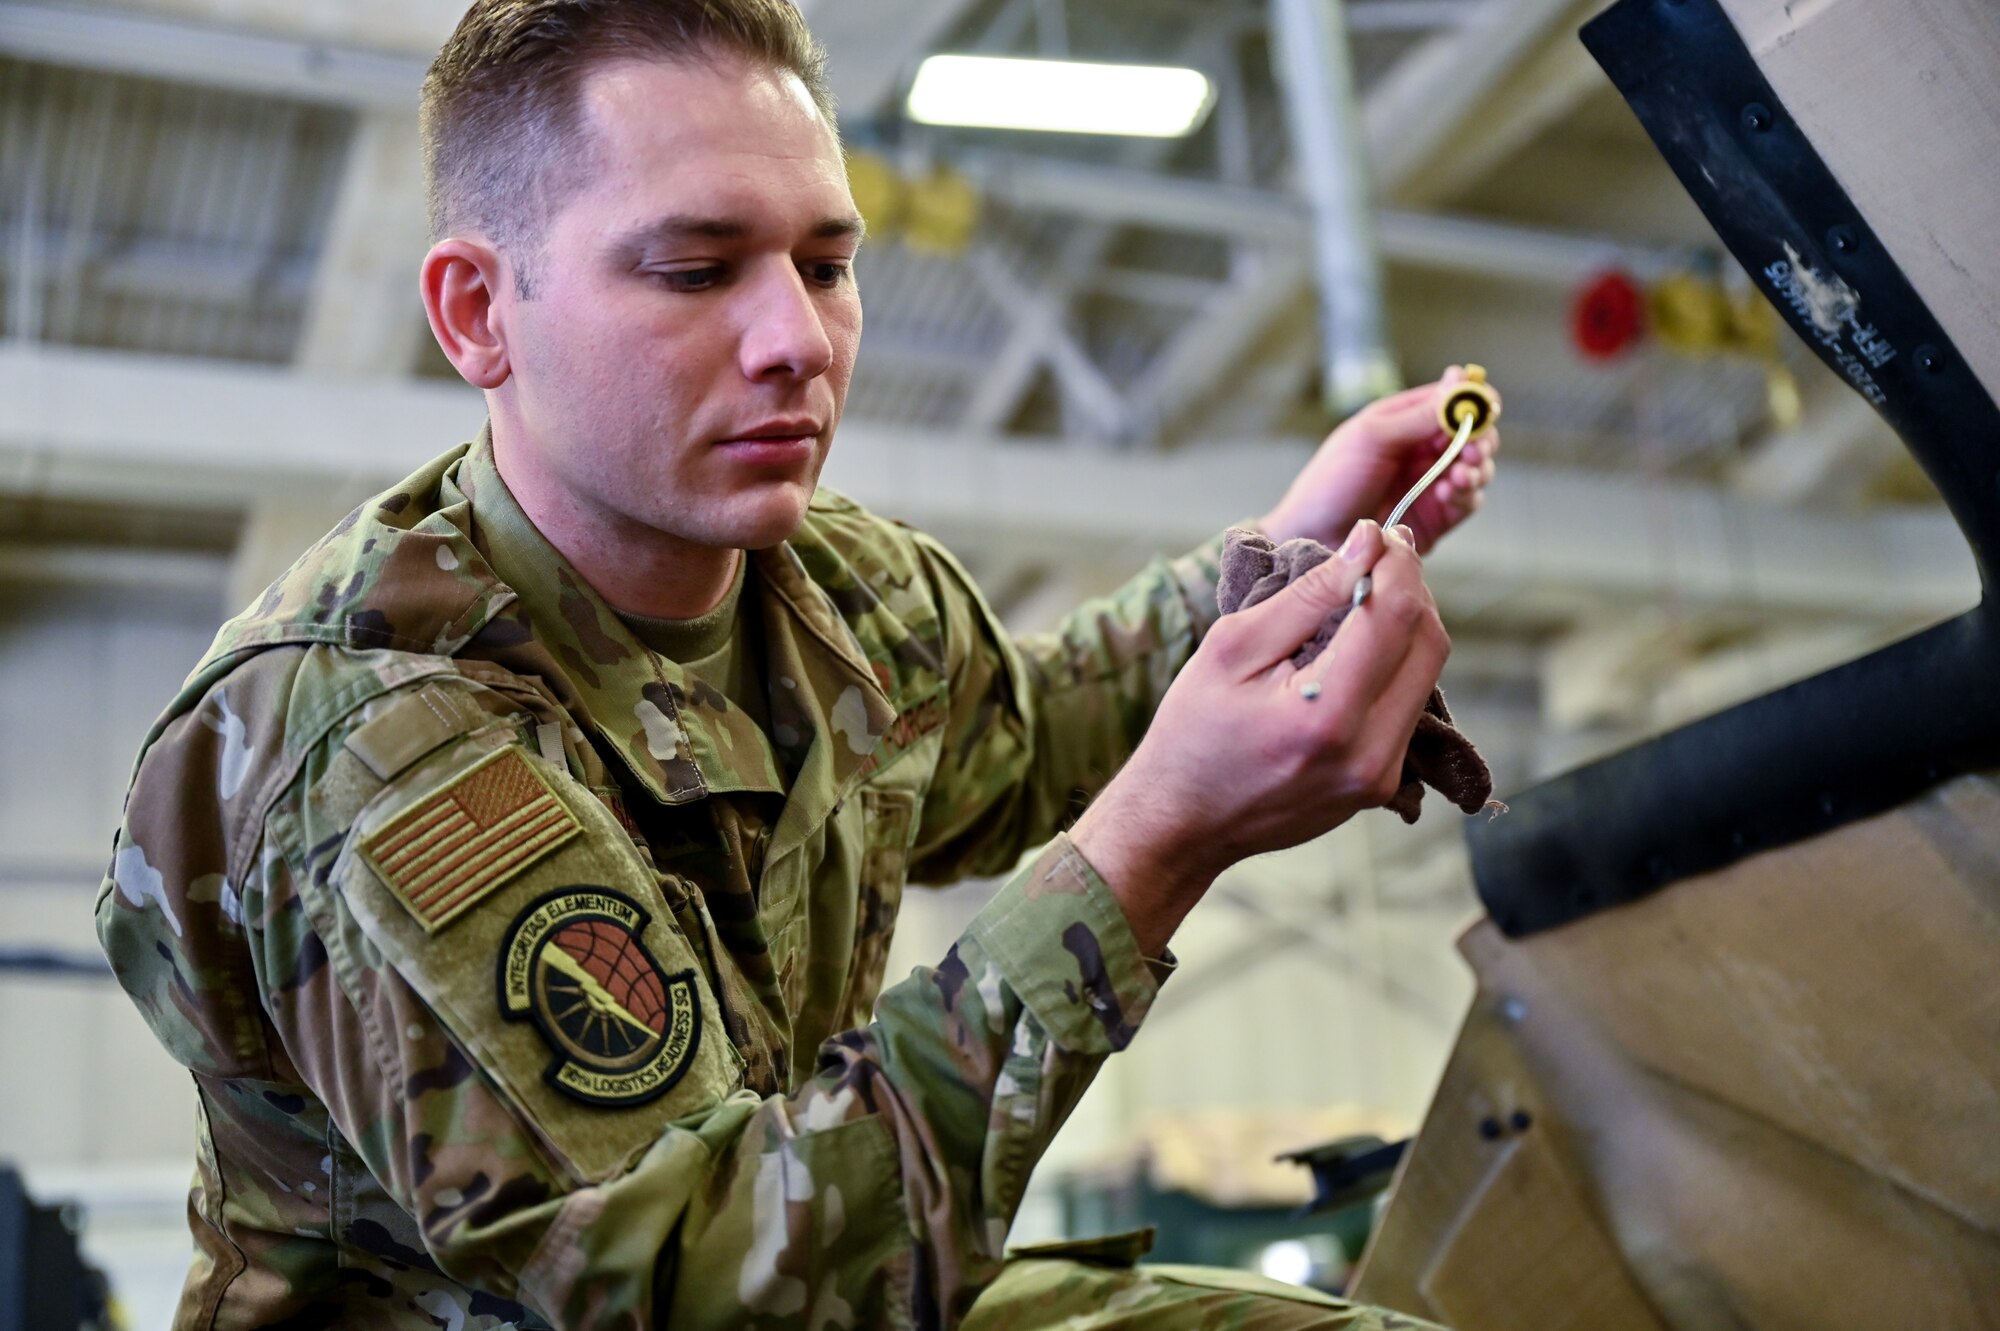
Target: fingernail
1409, 536
1357, 541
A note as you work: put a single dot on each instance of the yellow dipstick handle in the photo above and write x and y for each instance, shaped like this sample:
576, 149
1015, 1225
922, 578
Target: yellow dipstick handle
1471, 396
1470, 407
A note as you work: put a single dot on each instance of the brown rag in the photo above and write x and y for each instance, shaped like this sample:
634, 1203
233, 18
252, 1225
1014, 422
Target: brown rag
1254, 570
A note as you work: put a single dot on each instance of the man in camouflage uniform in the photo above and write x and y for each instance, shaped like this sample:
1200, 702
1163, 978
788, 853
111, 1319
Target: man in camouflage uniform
515, 877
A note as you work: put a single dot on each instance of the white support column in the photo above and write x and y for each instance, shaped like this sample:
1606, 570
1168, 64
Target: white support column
364, 315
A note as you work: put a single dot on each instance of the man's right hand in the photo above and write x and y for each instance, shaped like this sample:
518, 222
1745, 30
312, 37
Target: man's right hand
1239, 760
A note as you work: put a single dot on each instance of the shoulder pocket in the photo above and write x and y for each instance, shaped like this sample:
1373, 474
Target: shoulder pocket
514, 904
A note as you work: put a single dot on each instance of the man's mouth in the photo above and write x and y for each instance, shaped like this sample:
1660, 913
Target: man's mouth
778, 443
788, 430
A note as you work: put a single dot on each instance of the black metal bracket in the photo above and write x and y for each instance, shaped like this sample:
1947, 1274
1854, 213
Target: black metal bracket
1856, 740
1347, 1170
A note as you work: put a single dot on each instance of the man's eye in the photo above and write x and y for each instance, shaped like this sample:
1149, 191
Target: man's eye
827, 274
690, 279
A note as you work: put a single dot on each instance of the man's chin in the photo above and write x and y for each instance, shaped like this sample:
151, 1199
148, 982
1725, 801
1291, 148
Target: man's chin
769, 517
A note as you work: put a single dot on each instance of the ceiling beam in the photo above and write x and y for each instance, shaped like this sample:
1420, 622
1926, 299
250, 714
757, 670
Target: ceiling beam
1414, 114
875, 45
1041, 331
191, 432
1407, 15
1834, 455
196, 424
1418, 239
999, 393
214, 56
1423, 107
1207, 354
151, 268
168, 571
1547, 87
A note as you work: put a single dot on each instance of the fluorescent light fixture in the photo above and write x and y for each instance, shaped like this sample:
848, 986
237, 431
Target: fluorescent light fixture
1060, 96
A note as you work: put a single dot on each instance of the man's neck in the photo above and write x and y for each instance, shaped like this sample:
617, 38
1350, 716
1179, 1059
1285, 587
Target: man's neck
638, 570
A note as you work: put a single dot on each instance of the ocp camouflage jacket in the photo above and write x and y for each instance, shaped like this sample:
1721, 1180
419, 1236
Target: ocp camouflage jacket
525, 981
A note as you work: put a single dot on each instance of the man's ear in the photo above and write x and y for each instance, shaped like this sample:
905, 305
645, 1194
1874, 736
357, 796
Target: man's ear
462, 281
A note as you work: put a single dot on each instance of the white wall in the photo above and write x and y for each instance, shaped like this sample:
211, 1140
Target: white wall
82, 675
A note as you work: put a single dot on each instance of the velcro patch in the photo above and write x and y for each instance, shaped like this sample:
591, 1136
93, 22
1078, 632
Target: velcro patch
623, 1031
443, 855
411, 727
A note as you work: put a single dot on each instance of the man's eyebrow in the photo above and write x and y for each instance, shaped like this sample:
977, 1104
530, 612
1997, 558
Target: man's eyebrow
691, 224
852, 227
681, 226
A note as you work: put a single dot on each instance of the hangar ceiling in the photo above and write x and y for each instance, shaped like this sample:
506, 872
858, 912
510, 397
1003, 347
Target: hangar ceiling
210, 213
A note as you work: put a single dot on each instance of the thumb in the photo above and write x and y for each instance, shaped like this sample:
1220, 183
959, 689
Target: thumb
1270, 631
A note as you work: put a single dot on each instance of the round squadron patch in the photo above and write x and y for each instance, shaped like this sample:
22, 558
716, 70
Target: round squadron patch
623, 1030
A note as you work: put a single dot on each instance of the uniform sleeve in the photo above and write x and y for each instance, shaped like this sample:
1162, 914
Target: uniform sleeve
511, 1128
1038, 725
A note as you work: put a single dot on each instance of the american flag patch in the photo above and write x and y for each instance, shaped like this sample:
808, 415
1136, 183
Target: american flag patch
470, 837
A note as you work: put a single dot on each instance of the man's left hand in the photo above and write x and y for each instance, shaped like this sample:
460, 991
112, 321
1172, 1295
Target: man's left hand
1373, 459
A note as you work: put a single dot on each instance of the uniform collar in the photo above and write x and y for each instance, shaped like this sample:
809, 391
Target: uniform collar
679, 736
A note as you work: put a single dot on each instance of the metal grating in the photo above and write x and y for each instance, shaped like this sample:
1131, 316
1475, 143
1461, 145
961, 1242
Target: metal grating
140, 215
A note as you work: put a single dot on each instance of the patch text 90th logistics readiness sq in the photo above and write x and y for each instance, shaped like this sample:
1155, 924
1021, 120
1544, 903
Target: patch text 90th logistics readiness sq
622, 1029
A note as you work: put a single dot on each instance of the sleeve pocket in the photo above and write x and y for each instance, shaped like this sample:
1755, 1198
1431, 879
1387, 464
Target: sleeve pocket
565, 980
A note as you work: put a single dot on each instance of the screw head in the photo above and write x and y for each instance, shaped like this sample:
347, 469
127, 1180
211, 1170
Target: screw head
1929, 359
1520, 1120
1490, 1129
1843, 239
1757, 116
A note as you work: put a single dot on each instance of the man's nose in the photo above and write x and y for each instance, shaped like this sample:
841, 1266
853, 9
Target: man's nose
785, 336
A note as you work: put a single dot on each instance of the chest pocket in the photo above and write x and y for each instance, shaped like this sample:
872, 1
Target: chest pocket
887, 825
515, 906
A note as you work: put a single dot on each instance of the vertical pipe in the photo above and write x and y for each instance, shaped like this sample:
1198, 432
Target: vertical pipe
1309, 44
24, 285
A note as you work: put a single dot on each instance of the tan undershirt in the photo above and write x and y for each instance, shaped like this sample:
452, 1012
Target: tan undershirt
719, 648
